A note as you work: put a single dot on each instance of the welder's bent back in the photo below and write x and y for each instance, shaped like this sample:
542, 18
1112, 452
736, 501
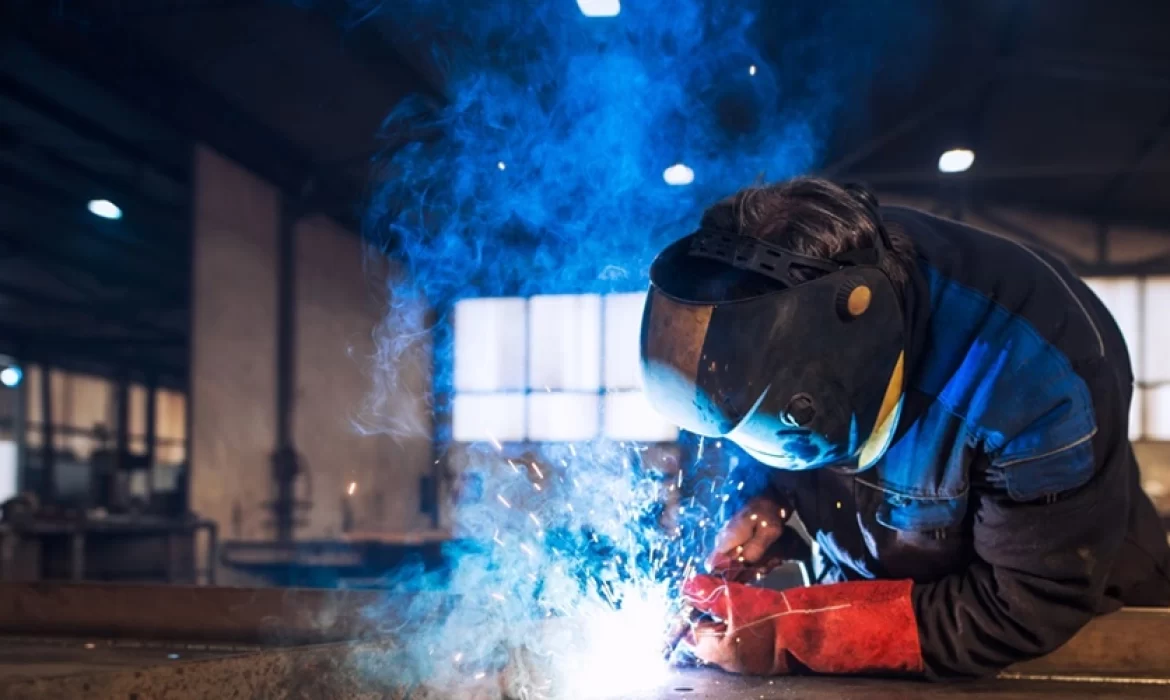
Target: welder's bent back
1009, 492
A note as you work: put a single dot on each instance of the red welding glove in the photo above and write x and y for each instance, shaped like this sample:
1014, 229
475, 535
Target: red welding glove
854, 627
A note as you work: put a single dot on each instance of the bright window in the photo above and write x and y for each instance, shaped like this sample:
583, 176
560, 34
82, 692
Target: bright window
1139, 306
551, 368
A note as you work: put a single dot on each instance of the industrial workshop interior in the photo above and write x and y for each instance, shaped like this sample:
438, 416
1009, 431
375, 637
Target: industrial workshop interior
584, 349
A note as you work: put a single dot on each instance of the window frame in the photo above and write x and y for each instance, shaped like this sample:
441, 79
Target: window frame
601, 393
1144, 388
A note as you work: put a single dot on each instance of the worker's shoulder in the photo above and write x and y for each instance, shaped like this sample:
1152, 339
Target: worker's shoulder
1008, 285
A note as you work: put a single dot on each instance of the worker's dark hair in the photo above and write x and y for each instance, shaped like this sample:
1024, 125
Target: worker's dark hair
813, 217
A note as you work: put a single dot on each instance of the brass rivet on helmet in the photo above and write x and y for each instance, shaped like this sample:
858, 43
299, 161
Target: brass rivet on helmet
853, 299
859, 300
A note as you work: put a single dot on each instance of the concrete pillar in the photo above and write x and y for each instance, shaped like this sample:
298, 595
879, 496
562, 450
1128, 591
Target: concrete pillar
233, 345
338, 306
339, 299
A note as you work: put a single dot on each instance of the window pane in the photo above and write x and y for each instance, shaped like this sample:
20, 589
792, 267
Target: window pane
565, 342
623, 330
1158, 420
32, 393
489, 344
484, 417
1120, 296
86, 404
1156, 345
81, 400
562, 417
170, 415
9, 481
628, 416
170, 454
137, 410
1136, 414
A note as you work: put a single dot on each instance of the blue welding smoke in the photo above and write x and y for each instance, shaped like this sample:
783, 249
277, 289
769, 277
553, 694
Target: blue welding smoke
543, 172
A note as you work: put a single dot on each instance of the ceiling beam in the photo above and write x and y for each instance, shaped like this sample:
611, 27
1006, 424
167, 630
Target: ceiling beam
1138, 73
911, 123
149, 227
361, 37
30, 335
1145, 148
165, 368
1159, 265
113, 186
166, 289
118, 61
1023, 171
86, 128
126, 313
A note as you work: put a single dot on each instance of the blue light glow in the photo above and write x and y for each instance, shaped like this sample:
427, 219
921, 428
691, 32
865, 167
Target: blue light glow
956, 160
678, 175
11, 376
105, 209
600, 8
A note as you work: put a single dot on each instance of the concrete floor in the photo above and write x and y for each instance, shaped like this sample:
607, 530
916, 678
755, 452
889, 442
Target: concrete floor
709, 685
38, 669
189, 643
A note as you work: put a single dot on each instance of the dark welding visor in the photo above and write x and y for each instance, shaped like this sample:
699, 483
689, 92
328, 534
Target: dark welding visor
736, 344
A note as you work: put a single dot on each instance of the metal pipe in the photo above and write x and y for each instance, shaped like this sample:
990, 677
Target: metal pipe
20, 430
121, 440
151, 429
285, 467
48, 485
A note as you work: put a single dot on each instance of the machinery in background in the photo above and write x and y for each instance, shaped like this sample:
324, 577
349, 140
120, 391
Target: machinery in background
97, 504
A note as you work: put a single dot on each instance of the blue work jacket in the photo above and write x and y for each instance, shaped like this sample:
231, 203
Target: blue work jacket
1010, 493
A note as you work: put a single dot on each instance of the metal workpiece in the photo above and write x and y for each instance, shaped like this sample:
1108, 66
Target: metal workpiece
268, 616
180, 643
1129, 642
305, 672
368, 671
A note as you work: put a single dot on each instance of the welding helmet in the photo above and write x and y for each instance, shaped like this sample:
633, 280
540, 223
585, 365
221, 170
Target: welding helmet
801, 373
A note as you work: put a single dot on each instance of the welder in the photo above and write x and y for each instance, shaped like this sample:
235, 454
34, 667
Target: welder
947, 412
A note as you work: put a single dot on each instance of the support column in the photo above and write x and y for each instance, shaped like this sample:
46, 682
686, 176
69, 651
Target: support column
48, 483
233, 346
285, 465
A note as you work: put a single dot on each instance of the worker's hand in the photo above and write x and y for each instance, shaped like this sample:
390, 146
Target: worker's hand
854, 627
744, 548
739, 635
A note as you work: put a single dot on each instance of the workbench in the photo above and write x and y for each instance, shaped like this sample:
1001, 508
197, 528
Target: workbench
184, 642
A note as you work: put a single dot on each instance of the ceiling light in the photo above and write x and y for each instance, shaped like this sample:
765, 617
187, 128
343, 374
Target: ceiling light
678, 175
11, 376
956, 160
501, 165
105, 209
600, 8
752, 69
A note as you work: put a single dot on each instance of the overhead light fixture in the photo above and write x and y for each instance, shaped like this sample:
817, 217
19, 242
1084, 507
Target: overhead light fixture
105, 209
11, 376
752, 69
600, 8
956, 160
678, 175
501, 165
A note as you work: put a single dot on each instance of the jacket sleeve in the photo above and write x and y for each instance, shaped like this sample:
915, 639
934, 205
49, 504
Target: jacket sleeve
1043, 552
